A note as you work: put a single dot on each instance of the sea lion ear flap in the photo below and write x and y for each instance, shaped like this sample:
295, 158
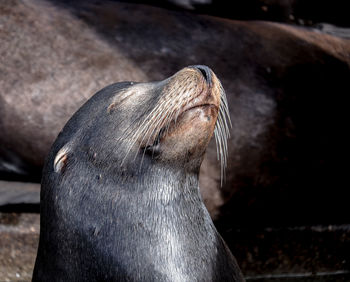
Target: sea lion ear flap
61, 159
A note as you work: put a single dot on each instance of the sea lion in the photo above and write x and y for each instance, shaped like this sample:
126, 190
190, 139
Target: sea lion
120, 197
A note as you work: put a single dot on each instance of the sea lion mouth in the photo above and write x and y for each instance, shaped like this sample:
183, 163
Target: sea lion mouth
172, 125
201, 106
196, 107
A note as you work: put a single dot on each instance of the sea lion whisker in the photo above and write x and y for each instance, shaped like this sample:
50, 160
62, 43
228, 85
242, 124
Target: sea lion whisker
181, 104
161, 116
219, 152
222, 133
224, 109
216, 142
176, 110
173, 115
165, 113
161, 122
145, 122
142, 127
128, 132
224, 140
226, 125
155, 126
151, 114
217, 132
157, 129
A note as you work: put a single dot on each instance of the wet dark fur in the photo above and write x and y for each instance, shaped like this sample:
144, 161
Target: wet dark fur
137, 223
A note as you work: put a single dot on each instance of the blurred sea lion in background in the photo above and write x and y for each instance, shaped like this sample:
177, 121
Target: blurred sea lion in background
56, 54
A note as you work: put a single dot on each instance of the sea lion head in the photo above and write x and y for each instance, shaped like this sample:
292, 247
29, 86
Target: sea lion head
167, 123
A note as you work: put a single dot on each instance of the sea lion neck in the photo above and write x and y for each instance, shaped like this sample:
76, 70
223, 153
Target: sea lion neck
160, 180
170, 183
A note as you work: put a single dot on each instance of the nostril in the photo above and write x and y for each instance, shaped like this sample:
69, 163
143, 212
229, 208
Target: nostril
205, 72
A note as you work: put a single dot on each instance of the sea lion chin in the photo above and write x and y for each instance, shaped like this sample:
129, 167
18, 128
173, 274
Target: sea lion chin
120, 198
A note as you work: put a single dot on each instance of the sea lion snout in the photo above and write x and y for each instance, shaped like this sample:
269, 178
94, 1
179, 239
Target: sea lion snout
183, 120
206, 88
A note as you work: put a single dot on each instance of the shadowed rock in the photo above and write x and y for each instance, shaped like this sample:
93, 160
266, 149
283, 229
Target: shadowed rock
15, 193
